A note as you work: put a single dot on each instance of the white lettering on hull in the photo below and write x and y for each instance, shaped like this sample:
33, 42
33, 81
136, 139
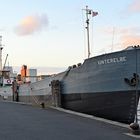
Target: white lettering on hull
112, 60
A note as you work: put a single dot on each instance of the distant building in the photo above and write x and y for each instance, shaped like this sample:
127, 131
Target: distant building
31, 75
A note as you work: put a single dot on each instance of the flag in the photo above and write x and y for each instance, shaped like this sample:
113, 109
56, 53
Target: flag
94, 14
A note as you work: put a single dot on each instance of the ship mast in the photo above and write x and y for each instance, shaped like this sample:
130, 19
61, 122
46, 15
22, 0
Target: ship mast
1, 53
87, 27
92, 13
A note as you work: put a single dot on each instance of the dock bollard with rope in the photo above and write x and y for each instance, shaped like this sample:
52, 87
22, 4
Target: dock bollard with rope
135, 128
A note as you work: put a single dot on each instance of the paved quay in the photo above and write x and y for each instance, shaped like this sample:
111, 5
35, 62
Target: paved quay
24, 122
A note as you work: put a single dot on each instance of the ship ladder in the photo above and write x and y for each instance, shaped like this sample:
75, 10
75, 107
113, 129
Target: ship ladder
138, 112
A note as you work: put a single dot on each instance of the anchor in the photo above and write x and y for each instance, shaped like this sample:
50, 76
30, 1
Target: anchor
133, 81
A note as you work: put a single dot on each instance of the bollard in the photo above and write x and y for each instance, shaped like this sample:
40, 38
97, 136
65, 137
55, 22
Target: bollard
134, 128
42, 105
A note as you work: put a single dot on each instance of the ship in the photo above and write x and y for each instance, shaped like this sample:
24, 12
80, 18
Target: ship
106, 85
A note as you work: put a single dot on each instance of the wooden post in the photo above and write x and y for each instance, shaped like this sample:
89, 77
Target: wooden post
15, 89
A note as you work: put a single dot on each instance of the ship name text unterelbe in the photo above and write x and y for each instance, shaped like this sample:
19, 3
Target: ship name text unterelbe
112, 60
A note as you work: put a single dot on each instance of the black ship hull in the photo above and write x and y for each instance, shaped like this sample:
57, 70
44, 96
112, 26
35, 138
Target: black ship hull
118, 106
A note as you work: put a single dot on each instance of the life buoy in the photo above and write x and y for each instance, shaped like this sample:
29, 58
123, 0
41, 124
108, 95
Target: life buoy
8, 81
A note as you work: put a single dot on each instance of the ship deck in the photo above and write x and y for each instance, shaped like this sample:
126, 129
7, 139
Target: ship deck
19, 121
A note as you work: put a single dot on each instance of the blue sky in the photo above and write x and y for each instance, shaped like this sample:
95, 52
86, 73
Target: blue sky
50, 33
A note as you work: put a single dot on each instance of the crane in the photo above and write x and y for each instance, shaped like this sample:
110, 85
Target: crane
5, 61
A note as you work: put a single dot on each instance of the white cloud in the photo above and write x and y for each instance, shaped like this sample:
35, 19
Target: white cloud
31, 24
133, 7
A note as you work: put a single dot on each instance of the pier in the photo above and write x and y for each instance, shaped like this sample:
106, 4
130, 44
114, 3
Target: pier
26, 122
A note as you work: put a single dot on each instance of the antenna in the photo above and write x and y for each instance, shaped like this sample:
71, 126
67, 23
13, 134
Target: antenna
113, 39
